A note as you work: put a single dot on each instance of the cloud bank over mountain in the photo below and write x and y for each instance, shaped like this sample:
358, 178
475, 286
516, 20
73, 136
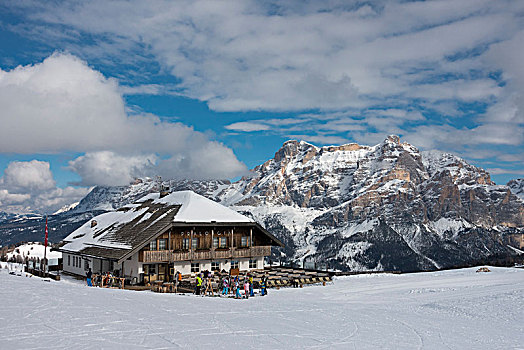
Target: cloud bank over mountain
63, 105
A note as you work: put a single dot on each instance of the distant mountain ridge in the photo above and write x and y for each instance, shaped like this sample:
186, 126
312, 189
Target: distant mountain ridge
382, 207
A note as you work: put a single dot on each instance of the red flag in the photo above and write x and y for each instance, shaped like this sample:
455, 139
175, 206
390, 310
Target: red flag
45, 242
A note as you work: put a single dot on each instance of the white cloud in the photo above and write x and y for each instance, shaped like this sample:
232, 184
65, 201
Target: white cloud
247, 126
28, 176
247, 55
333, 56
30, 187
110, 169
7, 198
64, 105
497, 171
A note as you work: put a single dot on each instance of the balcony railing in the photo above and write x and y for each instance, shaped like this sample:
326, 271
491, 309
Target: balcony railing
168, 255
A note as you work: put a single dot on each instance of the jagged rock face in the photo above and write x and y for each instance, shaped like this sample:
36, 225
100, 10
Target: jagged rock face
517, 187
432, 209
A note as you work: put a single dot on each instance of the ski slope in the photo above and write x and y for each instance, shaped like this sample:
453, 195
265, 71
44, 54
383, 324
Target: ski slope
457, 309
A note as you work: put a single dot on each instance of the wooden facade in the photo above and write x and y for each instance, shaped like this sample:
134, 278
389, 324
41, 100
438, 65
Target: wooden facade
205, 243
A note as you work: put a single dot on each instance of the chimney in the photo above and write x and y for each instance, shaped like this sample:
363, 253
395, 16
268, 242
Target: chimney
93, 223
164, 191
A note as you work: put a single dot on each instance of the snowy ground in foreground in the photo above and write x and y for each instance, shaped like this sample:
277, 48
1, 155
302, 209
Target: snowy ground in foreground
457, 309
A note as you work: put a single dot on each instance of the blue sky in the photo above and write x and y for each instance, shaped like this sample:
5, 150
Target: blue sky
100, 92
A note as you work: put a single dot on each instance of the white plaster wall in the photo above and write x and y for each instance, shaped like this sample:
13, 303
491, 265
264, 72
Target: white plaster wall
205, 265
132, 267
225, 265
184, 267
260, 263
73, 269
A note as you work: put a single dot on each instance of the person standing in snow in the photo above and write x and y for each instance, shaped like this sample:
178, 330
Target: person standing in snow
225, 284
89, 274
246, 288
263, 285
251, 291
198, 285
175, 280
237, 289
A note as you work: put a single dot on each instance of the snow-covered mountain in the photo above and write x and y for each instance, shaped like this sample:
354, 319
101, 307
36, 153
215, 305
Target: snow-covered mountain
113, 197
517, 187
382, 207
388, 206
66, 207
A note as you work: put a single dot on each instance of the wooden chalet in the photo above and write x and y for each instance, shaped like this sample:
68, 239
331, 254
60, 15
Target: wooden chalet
159, 235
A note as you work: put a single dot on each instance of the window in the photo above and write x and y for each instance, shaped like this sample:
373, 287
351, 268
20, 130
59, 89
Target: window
86, 264
244, 241
252, 264
194, 244
234, 264
162, 243
215, 266
215, 242
195, 267
185, 243
145, 269
152, 245
223, 242
152, 269
69, 260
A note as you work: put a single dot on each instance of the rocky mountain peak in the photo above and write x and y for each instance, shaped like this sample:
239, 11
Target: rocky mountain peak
392, 139
293, 148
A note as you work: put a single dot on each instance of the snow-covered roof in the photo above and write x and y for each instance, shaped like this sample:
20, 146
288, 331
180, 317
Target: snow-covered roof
118, 232
196, 208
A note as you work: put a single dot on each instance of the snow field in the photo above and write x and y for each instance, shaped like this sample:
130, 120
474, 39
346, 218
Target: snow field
457, 309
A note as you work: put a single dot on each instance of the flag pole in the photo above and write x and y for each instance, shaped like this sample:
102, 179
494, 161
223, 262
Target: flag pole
45, 245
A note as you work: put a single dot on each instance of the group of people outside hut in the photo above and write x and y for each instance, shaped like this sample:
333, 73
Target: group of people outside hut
103, 280
230, 285
234, 284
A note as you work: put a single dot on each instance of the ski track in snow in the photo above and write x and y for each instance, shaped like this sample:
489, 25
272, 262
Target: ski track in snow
457, 309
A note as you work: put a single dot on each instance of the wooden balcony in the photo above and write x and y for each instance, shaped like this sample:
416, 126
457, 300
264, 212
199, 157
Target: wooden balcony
161, 256
253, 251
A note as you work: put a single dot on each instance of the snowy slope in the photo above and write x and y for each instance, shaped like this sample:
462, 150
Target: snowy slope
66, 208
33, 250
457, 309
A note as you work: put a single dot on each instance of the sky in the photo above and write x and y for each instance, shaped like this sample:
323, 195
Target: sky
101, 92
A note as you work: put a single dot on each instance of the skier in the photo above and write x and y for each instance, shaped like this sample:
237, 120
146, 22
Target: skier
225, 283
237, 289
89, 274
